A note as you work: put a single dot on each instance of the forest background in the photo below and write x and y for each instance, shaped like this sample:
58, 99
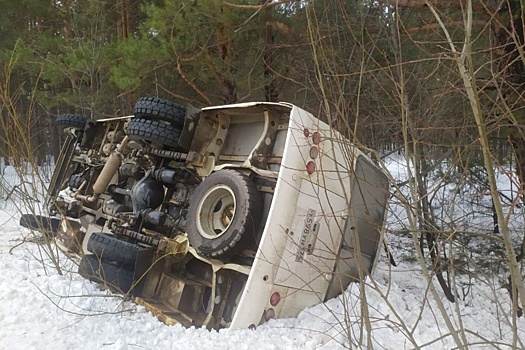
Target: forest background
361, 64
438, 82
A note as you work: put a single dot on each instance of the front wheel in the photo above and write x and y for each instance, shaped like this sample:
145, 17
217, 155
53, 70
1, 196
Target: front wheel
111, 248
70, 122
115, 276
40, 223
224, 214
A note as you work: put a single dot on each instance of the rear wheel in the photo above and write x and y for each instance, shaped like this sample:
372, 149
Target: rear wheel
224, 214
159, 109
154, 132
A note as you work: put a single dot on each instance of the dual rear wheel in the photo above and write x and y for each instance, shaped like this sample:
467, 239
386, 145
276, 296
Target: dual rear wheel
157, 122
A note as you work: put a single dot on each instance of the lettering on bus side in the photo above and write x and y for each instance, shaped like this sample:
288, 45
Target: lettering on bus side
305, 240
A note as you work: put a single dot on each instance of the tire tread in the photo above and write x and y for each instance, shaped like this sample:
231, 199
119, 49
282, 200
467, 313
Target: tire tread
111, 248
116, 277
159, 109
245, 229
140, 129
70, 121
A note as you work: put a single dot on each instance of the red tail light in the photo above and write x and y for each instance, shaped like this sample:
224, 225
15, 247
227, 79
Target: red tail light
310, 167
275, 299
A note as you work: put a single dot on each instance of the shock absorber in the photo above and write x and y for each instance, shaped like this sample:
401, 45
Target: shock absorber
108, 171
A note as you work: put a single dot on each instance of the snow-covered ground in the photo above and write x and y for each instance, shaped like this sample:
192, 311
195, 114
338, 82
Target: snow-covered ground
41, 309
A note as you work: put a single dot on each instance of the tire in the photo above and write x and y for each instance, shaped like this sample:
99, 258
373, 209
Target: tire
65, 121
110, 248
114, 276
224, 214
40, 223
154, 131
159, 109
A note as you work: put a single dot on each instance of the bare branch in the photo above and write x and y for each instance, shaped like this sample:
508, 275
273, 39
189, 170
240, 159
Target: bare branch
436, 26
478, 6
191, 84
259, 7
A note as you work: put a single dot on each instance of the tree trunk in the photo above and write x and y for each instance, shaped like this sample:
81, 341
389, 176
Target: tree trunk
271, 93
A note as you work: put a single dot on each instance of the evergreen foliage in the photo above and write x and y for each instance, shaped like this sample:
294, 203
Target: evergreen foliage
353, 63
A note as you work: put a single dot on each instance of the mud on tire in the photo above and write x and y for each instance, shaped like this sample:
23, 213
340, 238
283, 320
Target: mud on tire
224, 214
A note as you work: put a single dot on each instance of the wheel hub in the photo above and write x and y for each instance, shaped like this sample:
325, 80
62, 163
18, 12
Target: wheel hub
216, 211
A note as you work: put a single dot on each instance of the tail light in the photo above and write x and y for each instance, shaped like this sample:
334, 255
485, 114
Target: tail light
269, 314
310, 167
275, 298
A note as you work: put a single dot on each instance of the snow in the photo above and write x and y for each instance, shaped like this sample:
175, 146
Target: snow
42, 309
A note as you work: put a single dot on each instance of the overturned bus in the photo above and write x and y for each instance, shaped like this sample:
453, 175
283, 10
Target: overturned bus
224, 216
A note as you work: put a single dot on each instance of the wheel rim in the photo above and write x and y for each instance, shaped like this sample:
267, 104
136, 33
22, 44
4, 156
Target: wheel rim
216, 211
